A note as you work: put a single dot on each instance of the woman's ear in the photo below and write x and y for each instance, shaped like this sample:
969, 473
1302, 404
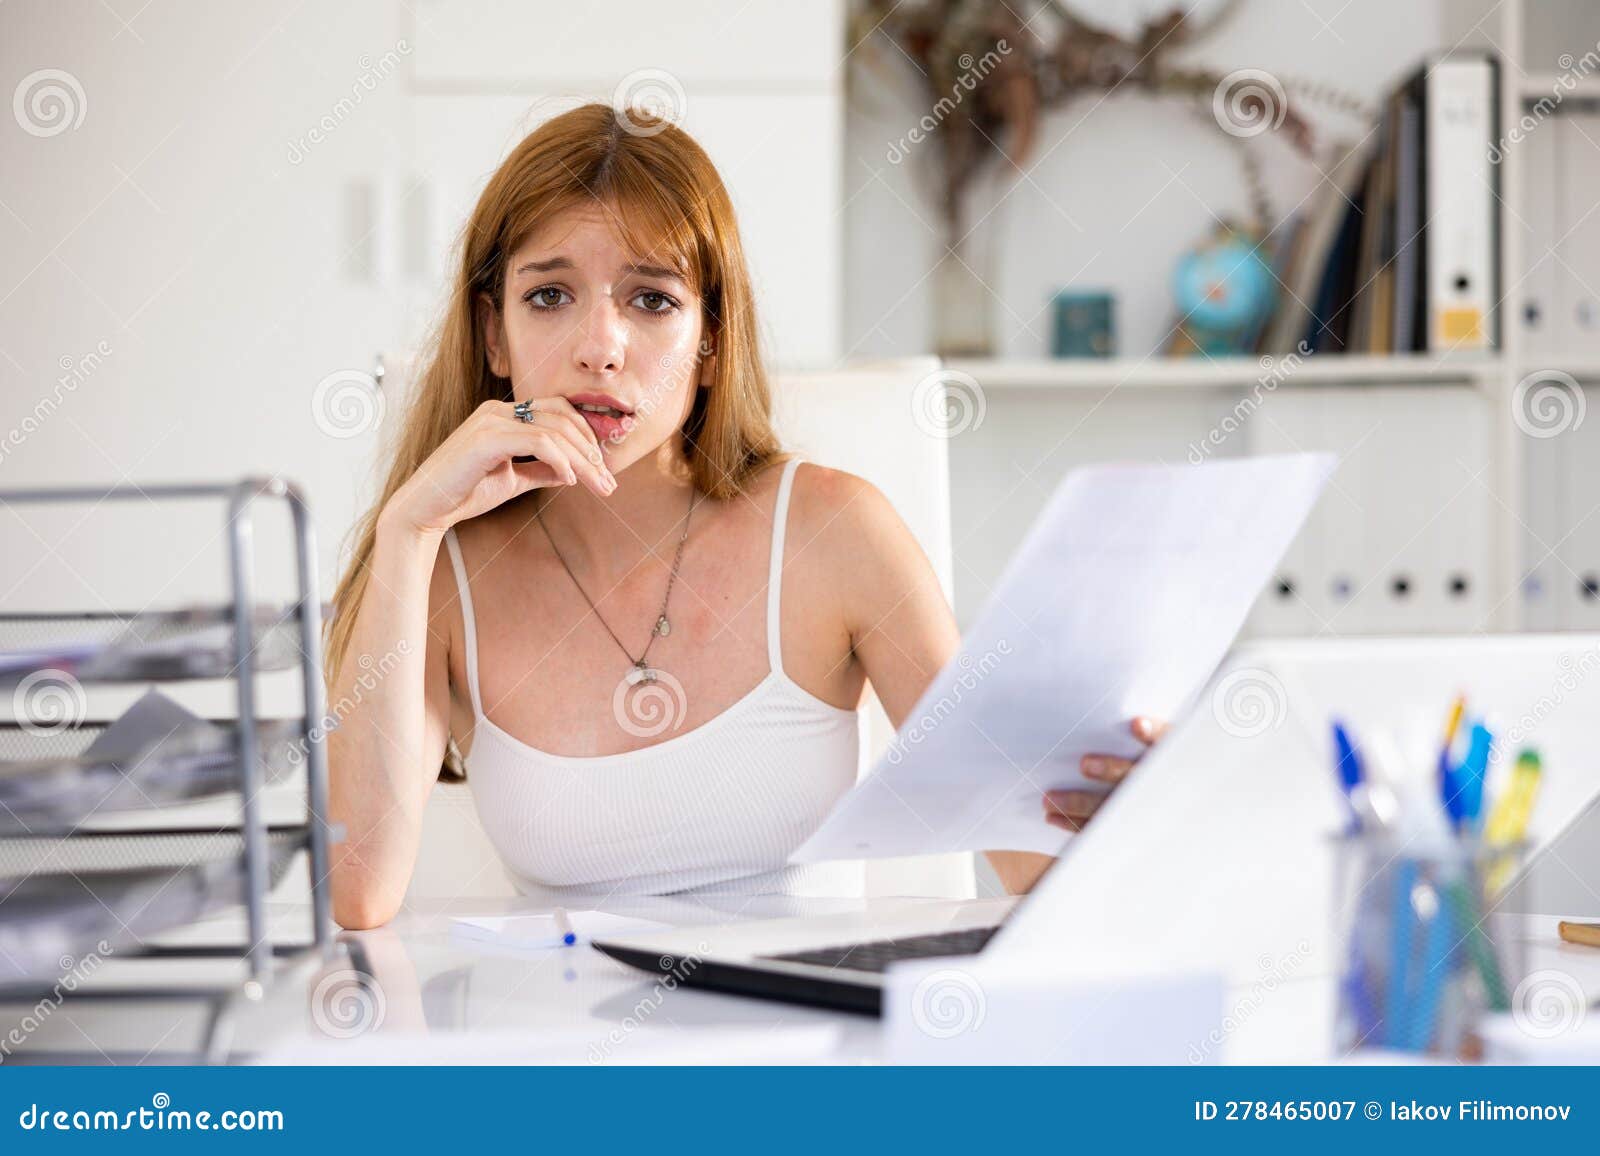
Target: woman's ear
494, 336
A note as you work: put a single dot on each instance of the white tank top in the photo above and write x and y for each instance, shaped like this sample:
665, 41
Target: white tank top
714, 809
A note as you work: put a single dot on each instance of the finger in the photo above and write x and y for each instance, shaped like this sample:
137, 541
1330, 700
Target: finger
536, 475
1072, 804
1148, 730
542, 443
557, 413
1105, 768
558, 439
572, 414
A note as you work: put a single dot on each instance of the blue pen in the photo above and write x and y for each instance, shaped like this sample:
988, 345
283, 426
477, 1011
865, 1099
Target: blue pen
1469, 781
564, 926
1348, 765
1350, 773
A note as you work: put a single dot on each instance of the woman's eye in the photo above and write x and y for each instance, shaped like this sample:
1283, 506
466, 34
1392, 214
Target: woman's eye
548, 297
655, 302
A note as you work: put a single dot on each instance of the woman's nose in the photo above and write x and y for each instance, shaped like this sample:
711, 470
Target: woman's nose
600, 343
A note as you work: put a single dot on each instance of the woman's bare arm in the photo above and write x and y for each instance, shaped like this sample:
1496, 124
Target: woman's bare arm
392, 695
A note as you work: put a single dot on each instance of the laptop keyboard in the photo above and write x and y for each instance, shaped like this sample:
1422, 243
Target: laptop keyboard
876, 955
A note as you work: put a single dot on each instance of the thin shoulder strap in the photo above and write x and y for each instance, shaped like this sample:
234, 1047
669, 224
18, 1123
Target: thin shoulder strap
780, 520
469, 623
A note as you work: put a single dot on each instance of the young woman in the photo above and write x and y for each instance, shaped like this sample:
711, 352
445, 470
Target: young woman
648, 629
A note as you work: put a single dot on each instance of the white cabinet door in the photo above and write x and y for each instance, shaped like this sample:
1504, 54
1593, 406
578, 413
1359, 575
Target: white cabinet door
196, 256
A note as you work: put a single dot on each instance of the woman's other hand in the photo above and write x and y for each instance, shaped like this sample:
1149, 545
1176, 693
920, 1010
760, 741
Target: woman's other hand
1070, 809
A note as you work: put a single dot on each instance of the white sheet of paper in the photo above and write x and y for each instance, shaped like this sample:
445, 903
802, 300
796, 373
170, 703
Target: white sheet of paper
538, 932
1121, 601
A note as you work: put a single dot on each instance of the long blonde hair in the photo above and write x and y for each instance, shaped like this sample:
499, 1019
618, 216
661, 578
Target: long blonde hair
666, 193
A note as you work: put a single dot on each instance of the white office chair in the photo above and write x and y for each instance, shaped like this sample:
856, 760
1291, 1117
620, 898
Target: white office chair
865, 420
862, 419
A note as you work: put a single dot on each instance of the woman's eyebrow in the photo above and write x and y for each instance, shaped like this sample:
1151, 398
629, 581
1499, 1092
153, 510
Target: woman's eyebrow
653, 271
566, 263
544, 266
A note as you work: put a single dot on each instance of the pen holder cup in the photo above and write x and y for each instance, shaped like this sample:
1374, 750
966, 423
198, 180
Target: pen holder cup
1426, 955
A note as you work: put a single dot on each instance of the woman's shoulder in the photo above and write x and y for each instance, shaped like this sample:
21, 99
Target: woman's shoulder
842, 514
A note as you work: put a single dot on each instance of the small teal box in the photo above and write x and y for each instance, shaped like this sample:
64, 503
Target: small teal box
1085, 324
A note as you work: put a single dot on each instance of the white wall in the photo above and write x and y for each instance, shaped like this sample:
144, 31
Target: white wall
259, 199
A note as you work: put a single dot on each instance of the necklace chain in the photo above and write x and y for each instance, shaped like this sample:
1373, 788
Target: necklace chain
661, 625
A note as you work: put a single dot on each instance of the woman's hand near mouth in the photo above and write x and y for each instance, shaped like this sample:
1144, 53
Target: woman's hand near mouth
474, 470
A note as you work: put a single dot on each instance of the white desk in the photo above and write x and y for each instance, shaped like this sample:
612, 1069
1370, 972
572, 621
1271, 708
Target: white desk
438, 999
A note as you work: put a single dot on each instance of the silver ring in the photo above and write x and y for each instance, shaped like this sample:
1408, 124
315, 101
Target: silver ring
523, 411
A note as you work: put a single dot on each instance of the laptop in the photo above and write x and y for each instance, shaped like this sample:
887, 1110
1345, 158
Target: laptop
1214, 853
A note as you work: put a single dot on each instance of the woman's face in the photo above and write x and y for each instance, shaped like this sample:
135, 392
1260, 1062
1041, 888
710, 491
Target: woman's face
616, 333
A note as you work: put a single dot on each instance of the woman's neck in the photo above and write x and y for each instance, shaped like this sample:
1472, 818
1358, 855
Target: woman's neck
606, 537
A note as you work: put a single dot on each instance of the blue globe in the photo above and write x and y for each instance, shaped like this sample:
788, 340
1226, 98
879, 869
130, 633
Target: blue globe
1224, 286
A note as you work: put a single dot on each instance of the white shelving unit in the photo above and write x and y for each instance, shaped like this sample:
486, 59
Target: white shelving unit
1176, 393
1232, 373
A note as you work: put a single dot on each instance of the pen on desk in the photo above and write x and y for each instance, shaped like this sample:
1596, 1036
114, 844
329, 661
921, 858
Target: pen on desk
564, 926
1587, 934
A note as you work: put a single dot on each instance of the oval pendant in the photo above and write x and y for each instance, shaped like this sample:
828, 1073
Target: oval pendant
663, 627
